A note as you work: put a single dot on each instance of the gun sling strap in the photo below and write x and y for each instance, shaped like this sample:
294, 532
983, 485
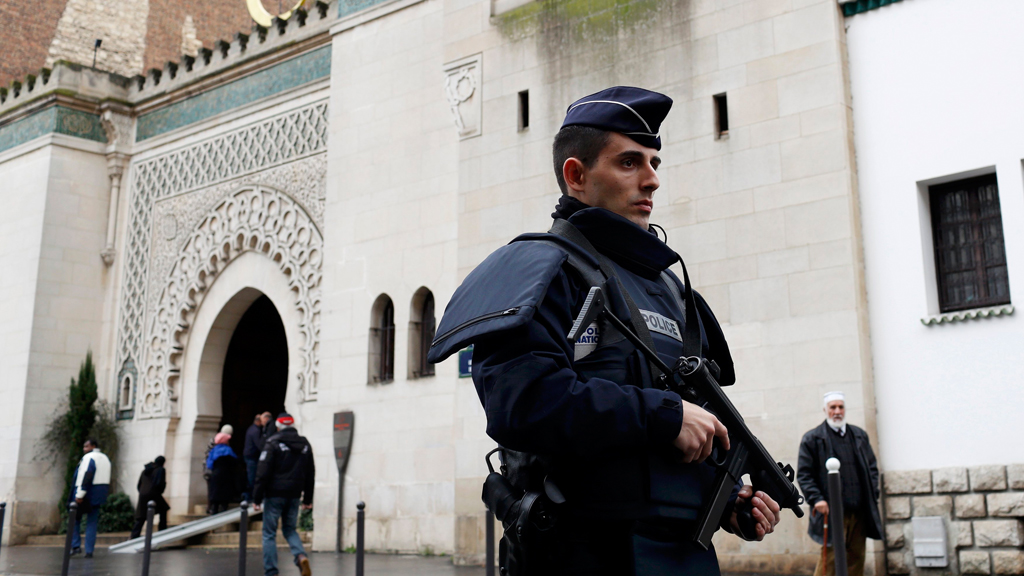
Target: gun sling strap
606, 270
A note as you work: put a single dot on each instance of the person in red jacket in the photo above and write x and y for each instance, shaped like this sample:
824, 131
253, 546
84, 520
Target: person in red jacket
284, 483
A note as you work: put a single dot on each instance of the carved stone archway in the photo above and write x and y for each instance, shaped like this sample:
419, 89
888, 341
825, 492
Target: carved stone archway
253, 219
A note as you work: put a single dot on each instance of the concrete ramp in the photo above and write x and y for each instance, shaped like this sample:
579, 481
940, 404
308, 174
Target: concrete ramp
183, 531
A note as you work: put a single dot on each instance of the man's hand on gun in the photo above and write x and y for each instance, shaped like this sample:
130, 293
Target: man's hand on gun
696, 440
766, 512
697, 436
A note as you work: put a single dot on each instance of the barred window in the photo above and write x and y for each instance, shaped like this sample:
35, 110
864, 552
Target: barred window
967, 230
422, 326
382, 341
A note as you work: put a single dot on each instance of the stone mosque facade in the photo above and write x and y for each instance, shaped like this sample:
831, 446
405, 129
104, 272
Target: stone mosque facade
273, 218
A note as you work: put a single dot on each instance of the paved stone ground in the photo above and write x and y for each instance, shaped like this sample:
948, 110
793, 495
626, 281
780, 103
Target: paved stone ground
46, 561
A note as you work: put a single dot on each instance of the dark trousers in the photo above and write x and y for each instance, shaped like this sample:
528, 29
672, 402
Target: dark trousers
588, 547
140, 523
250, 476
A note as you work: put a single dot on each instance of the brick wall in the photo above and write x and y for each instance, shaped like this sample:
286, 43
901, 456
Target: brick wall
982, 508
214, 20
137, 35
25, 35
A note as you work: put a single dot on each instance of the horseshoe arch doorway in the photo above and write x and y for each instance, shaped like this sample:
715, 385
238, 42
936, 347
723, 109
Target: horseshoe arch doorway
255, 377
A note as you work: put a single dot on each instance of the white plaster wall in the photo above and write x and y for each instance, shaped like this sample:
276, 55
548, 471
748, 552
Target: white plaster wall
69, 303
389, 228
23, 195
52, 308
936, 93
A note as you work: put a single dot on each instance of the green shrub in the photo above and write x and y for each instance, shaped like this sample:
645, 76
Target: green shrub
118, 514
80, 416
306, 521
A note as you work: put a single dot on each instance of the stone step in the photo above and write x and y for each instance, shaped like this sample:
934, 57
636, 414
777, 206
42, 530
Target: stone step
102, 540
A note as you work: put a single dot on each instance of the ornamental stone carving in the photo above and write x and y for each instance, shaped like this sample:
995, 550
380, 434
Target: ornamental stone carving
462, 91
253, 219
285, 152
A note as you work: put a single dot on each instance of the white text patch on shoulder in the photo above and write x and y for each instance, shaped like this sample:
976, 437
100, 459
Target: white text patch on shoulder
662, 325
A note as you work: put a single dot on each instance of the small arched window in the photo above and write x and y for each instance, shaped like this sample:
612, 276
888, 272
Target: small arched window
125, 395
422, 326
382, 341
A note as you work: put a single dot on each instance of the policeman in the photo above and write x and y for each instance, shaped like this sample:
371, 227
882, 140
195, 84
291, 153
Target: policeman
626, 456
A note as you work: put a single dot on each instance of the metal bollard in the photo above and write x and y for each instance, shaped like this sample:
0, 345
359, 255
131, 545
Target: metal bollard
489, 561
360, 527
72, 520
3, 508
150, 511
243, 533
835, 512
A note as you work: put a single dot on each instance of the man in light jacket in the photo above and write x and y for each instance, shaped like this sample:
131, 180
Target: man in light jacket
90, 490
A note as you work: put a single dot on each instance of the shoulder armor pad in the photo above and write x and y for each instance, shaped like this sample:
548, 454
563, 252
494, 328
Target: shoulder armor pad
502, 293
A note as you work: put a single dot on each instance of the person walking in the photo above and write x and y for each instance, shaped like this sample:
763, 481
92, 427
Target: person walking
89, 490
858, 470
223, 485
152, 483
285, 473
251, 451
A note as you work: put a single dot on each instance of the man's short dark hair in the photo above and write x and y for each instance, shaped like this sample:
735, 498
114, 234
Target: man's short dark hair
95, 443
581, 142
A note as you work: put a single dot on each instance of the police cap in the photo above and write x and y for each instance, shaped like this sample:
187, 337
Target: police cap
635, 112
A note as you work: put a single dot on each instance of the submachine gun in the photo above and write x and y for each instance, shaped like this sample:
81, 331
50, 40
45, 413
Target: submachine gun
693, 381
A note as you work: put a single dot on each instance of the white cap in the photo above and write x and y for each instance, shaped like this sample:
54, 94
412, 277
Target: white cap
833, 396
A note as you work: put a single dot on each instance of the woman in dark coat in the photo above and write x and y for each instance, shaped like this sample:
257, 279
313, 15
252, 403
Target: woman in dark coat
152, 483
223, 485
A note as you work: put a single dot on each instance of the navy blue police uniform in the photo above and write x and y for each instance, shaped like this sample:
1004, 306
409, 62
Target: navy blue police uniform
589, 409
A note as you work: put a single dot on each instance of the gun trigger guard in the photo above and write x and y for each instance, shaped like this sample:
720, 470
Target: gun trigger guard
718, 455
487, 459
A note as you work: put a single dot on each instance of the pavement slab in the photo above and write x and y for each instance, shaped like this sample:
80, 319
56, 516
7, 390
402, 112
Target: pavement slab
47, 561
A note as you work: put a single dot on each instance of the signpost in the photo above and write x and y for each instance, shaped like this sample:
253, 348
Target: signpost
344, 423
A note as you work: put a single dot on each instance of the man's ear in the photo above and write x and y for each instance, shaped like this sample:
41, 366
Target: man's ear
574, 173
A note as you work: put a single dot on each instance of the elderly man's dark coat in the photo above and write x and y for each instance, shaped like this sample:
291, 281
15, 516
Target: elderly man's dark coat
815, 449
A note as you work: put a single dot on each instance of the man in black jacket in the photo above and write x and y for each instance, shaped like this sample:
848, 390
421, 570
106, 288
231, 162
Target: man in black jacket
285, 473
859, 473
254, 439
152, 483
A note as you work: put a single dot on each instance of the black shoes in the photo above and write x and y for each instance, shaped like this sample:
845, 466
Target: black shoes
76, 551
88, 554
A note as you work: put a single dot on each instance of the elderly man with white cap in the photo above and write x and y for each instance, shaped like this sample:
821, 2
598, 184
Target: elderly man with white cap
835, 437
